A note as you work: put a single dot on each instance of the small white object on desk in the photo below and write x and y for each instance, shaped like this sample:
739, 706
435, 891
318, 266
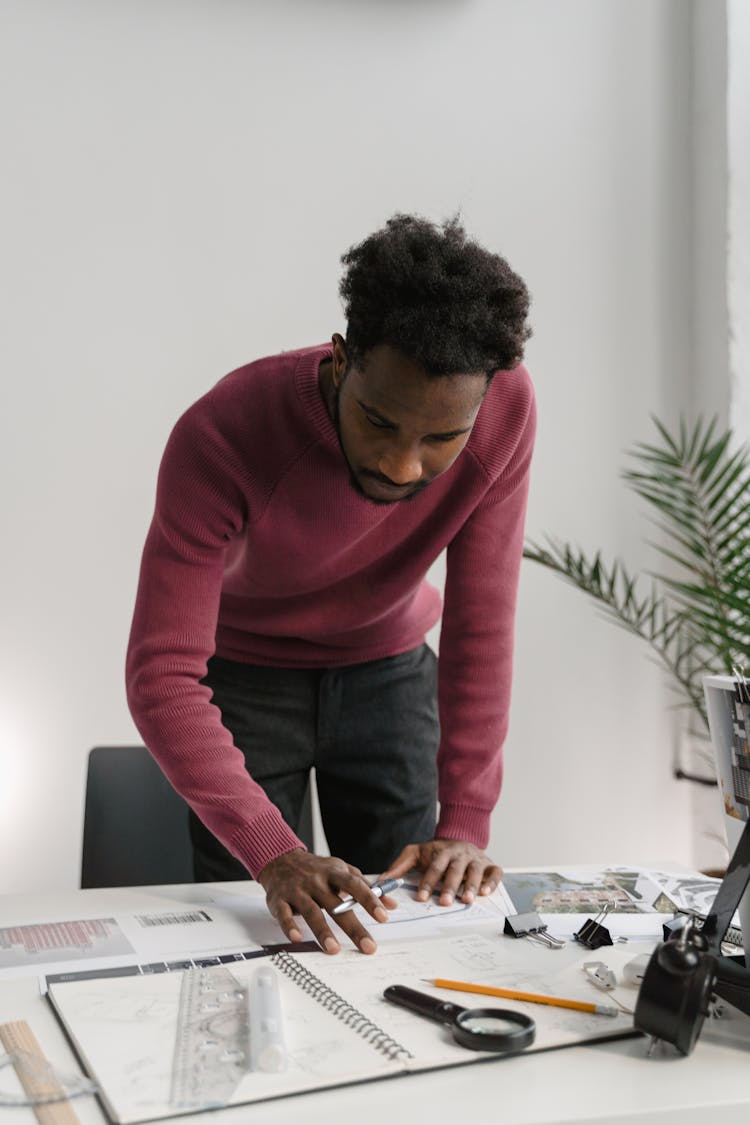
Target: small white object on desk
267, 1048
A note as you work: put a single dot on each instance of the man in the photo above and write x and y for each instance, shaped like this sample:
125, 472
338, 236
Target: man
282, 605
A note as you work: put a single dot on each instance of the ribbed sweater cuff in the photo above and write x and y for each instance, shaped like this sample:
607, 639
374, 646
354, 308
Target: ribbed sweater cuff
264, 839
464, 822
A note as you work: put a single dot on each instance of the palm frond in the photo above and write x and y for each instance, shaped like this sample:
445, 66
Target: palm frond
696, 617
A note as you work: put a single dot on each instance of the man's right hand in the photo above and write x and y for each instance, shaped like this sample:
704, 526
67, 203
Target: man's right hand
299, 883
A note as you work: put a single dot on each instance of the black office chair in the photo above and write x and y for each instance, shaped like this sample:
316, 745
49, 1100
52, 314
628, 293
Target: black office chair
135, 826
135, 829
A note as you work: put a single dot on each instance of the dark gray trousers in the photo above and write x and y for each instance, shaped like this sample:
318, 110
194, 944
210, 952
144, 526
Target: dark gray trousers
370, 730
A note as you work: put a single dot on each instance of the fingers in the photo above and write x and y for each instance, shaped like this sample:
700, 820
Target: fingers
456, 868
435, 868
311, 891
285, 918
408, 859
360, 891
348, 923
493, 877
319, 924
470, 877
363, 895
443, 872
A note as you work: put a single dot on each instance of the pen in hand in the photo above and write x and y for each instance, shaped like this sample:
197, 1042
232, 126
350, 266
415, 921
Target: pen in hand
378, 889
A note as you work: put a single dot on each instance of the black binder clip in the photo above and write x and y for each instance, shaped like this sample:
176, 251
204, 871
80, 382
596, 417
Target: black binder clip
592, 933
531, 926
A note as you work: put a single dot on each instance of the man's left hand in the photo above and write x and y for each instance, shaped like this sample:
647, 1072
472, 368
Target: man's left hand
455, 868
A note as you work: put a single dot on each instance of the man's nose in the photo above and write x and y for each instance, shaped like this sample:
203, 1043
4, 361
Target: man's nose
402, 465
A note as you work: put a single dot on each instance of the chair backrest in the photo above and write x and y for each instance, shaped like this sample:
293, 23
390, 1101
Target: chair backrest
135, 829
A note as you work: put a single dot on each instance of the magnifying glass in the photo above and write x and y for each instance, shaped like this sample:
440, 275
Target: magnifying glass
479, 1029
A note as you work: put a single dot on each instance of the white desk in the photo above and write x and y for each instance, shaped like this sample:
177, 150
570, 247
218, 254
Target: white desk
611, 1082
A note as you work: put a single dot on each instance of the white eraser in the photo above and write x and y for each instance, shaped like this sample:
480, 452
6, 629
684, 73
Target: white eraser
632, 973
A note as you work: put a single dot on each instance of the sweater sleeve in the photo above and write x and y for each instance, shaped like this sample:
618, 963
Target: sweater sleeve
200, 506
476, 649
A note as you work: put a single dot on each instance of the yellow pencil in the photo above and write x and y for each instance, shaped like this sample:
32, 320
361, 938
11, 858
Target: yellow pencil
532, 997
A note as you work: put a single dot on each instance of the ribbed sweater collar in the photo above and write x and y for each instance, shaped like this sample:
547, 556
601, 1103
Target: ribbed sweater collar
310, 394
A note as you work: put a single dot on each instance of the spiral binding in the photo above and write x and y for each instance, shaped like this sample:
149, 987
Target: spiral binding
350, 1016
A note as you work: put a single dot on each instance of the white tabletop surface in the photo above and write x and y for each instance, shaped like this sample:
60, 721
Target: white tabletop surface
608, 1082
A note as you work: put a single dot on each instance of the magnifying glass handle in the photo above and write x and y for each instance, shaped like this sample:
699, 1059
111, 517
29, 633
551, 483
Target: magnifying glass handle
430, 1006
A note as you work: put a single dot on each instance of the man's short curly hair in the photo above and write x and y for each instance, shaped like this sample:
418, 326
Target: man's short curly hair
440, 298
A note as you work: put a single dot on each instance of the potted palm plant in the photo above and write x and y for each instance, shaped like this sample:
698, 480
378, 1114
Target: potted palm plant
695, 613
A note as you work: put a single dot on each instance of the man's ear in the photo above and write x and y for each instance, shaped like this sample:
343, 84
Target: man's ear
340, 358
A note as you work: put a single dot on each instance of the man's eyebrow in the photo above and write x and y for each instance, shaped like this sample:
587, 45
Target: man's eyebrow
382, 418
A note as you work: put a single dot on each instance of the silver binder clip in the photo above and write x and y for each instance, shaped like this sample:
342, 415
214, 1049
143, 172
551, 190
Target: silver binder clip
531, 926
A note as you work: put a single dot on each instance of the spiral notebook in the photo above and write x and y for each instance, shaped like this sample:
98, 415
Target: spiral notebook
338, 1029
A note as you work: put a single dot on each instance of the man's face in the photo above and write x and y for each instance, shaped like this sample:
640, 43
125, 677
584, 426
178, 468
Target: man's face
399, 428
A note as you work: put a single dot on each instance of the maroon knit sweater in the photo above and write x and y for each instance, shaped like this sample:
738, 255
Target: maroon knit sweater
260, 550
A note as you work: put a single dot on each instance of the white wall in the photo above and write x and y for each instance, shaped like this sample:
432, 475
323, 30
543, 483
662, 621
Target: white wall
180, 179
738, 213
709, 317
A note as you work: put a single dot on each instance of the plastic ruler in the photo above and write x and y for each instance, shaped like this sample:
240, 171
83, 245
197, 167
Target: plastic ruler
36, 1075
213, 1039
